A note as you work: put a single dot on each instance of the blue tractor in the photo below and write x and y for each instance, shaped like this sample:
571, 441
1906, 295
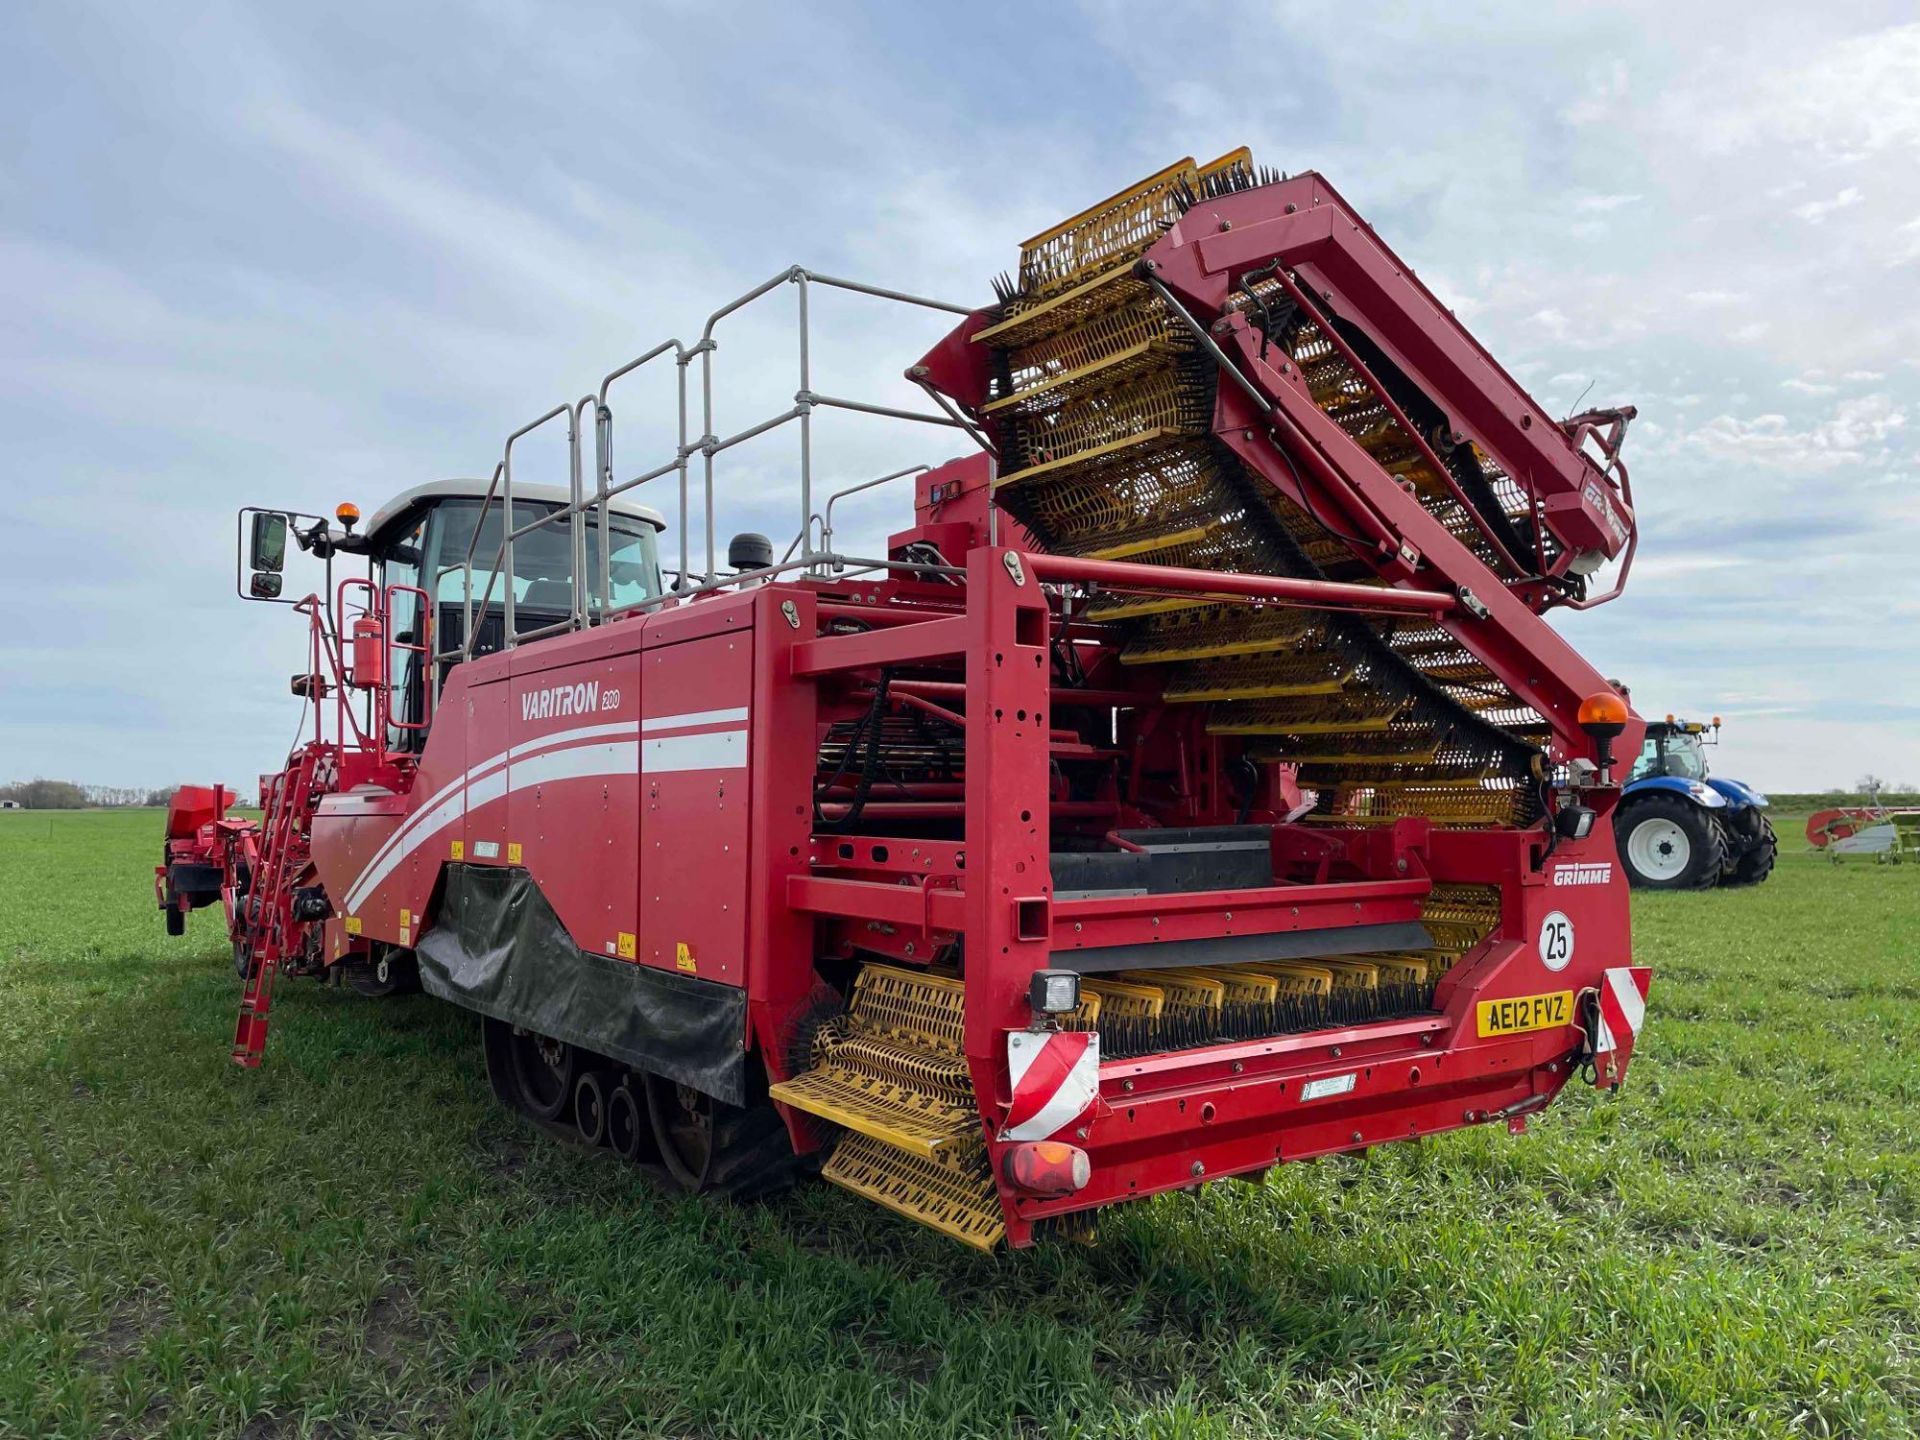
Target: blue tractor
1680, 828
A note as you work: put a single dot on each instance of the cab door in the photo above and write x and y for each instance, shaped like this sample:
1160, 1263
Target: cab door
401, 565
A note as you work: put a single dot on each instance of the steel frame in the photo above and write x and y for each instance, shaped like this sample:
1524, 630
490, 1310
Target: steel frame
1176, 1119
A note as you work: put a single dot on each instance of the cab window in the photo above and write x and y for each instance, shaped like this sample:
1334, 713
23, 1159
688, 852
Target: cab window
542, 560
1649, 761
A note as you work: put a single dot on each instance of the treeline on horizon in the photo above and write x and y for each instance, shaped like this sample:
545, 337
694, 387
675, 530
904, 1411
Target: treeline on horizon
67, 795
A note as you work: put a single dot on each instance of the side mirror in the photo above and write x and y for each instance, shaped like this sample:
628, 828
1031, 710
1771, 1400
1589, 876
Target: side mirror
264, 585
268, 550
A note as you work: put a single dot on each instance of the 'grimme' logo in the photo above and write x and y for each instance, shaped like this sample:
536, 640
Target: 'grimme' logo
581, 699
1584, 873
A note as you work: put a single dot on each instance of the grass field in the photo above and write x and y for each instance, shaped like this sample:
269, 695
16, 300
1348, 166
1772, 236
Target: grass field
351, 1241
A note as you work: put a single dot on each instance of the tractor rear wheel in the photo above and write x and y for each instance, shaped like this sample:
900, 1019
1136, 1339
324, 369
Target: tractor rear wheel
1755, 862
1667, 843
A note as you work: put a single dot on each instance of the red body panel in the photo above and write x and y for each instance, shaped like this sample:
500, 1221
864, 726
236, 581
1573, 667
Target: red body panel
694, 750
573, 789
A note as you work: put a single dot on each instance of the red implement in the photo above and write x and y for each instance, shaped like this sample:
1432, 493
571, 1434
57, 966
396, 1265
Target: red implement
1194, 785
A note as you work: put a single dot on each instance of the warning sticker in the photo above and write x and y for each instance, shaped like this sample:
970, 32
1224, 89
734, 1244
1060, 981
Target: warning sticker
1520, 1013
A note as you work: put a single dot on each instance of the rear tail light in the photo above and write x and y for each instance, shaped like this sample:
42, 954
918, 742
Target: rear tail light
1047, 1169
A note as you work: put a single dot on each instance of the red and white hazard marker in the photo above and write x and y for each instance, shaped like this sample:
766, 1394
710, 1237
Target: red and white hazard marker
1623, 1010
1056, 1079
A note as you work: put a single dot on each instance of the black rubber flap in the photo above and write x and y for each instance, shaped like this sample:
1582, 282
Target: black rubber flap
497, 947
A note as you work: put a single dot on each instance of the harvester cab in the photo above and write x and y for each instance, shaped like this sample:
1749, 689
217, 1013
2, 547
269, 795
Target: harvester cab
1193, 784
391, 604
1681, 827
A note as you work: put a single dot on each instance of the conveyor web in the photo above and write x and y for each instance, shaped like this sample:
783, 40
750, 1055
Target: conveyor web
1103, 406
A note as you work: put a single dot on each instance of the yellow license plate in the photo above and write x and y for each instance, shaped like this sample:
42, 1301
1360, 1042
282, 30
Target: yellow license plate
1520, 1013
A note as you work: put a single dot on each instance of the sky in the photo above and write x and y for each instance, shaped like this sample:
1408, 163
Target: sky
294, 255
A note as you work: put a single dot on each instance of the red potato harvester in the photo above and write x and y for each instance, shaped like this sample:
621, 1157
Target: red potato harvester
1193, 786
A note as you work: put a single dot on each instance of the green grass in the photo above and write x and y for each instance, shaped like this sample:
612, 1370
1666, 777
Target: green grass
352, 1241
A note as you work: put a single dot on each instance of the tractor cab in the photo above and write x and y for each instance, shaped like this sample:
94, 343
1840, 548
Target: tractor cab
1675, 748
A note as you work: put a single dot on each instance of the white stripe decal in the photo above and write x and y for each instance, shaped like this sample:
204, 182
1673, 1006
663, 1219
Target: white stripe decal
1020, 1059
489, 787
1068, 1104
714, 750
487, 782
567, 737
428, 808
574, 764
695, 717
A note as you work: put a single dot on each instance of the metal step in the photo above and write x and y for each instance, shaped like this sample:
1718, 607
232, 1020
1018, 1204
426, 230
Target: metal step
916, 1121
892, 1072
953, 1193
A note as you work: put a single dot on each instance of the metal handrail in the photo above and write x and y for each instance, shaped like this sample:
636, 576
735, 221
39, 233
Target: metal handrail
805, 400
508, 533
707, 445
466, 566
826, 523
857, 563
573, 512
605, 489
581, 609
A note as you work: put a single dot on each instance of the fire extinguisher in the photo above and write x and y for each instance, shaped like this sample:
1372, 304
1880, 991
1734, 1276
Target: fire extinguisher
369, 653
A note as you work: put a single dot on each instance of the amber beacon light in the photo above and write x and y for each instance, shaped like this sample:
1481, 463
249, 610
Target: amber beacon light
1603, 716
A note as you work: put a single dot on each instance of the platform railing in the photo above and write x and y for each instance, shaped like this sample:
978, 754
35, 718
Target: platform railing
813, 540
826, 520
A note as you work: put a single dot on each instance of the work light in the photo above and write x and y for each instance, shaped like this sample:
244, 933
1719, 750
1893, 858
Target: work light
1054, 992
1574, 822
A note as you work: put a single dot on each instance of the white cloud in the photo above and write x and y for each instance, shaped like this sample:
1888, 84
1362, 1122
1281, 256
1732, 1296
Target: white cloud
1662, 567
1553, 321
1844, 438
1815, 212
1852, 97
1607, 86
1604, 203
1909, 249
